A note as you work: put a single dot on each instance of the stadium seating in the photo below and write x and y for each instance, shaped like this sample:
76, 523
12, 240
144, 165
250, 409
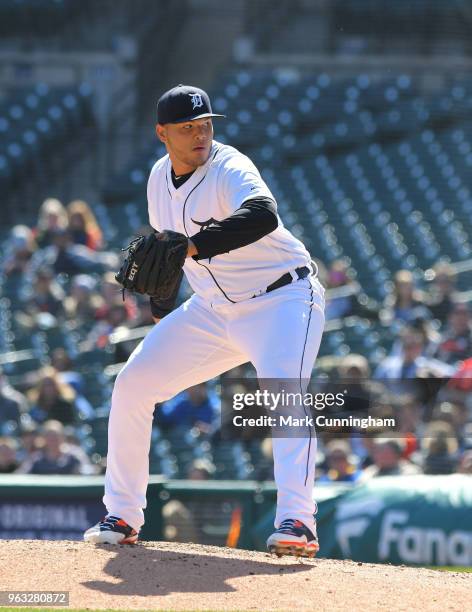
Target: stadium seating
361, 27
16, 16
35, 121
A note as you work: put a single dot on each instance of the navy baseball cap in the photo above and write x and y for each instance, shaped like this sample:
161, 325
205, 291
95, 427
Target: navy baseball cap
184, 103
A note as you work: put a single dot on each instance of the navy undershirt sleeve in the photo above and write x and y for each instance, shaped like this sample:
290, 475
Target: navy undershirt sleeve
252, 221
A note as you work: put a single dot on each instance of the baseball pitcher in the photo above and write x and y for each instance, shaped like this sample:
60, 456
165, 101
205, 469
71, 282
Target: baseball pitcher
256, 299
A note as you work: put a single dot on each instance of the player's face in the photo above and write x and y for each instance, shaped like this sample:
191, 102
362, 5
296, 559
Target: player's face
187, 143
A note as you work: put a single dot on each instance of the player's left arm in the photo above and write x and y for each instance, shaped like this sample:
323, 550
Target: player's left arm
252, 221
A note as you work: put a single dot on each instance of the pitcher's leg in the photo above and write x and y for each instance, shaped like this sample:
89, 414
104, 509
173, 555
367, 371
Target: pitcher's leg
186, 348
289, 327
294, 455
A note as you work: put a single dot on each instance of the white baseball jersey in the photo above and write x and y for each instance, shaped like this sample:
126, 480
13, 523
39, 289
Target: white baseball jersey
213, 192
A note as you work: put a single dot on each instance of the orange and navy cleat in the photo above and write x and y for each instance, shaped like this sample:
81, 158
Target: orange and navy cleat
111, 530
293, 538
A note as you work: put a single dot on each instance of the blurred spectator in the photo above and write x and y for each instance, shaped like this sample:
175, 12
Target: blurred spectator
201, 469
192, 408
453, 413
99, 335
12, 403
411, 363
388, 461
110, 291
459, 387
62, 362
66, 257
69, 258
29, 440
455, 343
46, 294
353, 372
354, 367
405, 302
75, 448
408, 413
83, 225
20, 248
54, 455
51, 398
441, 294
458, 391
465, 463
340, 463
8, 455
51, 218
118, 319
440, 448
363, 447
345, 298
423, 326
83, 303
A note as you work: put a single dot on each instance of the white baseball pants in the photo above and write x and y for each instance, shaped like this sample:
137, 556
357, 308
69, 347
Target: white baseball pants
279, 332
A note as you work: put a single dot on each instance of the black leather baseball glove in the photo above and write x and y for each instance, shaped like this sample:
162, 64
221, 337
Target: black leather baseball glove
153, 264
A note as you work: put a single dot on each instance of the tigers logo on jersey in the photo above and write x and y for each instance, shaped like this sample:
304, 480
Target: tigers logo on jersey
204, 224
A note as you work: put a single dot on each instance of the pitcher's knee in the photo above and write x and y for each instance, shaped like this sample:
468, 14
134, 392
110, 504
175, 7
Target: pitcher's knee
130, 383
134, 386
124, 382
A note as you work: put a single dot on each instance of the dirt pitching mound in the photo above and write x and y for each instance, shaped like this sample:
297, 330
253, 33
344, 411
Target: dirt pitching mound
163, 576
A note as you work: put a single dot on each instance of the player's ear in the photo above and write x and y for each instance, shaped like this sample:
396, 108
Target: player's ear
161, 132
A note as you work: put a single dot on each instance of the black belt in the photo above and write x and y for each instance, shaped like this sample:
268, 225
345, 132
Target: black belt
287, 278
